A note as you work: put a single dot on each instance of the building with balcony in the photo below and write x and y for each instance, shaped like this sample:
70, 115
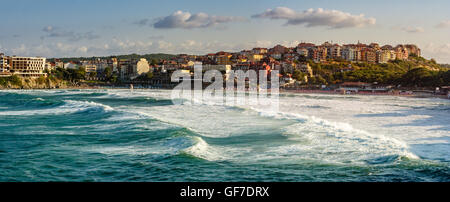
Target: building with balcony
23, 66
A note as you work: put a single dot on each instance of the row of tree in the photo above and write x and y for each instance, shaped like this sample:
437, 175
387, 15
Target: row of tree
150, 57
417, 72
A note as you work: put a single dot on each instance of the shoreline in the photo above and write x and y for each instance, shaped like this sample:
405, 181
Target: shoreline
323, 92
317, 92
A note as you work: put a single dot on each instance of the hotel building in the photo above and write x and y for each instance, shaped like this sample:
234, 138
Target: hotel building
23, 66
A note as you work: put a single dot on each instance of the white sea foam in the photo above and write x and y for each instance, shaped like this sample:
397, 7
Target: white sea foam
336, 140
329, 128
69, 106
203, 150
127, 150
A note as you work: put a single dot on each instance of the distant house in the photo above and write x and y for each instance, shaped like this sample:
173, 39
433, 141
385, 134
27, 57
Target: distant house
276, 55
363, 87
255, 57
444, 90
70, 65
130, 69
353, 86
259, 51
223, 58
49, 66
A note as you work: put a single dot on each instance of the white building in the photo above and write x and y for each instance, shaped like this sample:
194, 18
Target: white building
133, 69
70, 65
4, 65
23, 66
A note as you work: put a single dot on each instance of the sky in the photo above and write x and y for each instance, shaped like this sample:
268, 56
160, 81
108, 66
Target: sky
63, 28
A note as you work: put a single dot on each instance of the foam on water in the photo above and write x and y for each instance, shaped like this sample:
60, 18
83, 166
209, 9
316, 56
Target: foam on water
365, 144
69, 106
126, 150
352, 134
323, 139
203, 150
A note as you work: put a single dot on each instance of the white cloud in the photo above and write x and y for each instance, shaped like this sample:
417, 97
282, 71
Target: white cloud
262, 44
66, 50
411, 29
186, 20
444, 24
440, 52
190, 44
320, 17
290, 43
82, 49
130, 45
21, 50
196, 47
167, 46
37, 50
63, 47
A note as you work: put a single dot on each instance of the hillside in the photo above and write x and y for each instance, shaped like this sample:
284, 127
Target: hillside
149, 57
415, 72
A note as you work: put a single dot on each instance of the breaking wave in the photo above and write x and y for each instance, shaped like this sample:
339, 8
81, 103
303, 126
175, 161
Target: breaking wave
338, 141
203, 150
68, 106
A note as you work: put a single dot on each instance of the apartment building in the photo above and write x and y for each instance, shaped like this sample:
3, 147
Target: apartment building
4, 65
23, 66
335, 51
349, 54
223, 58
259, 51
383, 56
369, 55
130, 69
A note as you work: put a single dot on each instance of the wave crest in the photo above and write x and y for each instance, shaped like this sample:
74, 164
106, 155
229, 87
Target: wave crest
203, 150
69, 106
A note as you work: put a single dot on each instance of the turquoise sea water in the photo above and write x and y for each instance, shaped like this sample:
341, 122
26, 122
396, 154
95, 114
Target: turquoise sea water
119, 135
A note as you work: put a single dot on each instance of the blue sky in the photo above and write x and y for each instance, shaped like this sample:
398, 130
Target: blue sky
59, 28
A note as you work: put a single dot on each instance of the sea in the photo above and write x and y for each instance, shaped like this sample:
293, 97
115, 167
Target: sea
115, 135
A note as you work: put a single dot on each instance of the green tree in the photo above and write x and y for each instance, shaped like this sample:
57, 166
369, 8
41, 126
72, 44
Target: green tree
298, 75
92, 74
417, 77
320, 80
41, 80
77, 74
107, 72
154, 62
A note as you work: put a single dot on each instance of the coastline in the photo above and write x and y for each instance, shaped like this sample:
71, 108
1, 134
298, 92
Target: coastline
324, 92
290, 91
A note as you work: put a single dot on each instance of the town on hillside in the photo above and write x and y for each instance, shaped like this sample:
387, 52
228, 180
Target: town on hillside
298, 66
